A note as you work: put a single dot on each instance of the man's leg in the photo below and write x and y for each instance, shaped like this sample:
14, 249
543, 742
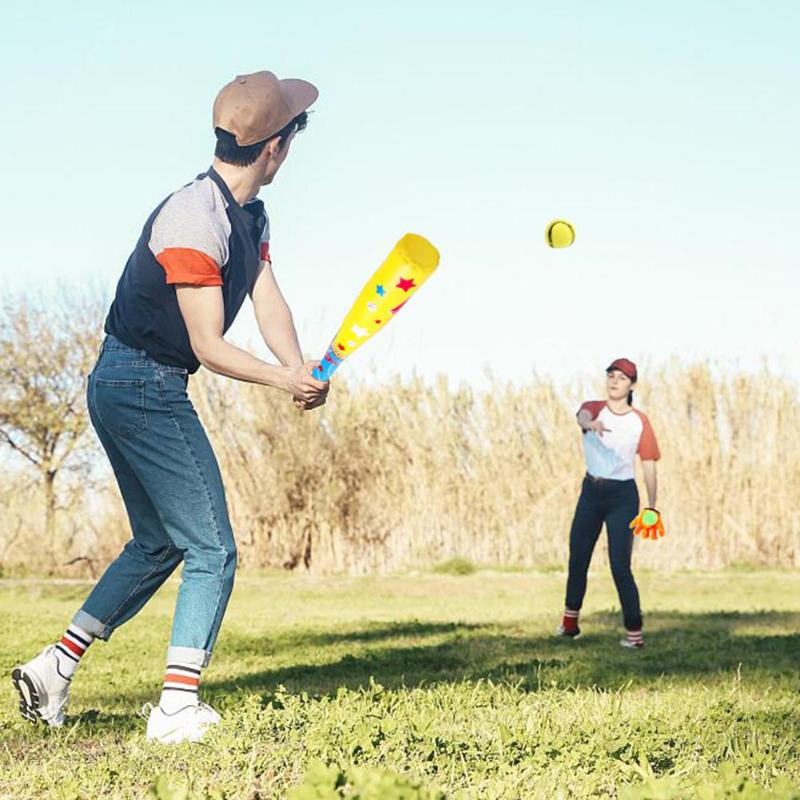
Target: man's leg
145, 563
586, 526
182, 478
172, 458
624, 508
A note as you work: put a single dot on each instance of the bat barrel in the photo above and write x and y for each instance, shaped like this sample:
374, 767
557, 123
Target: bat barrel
410, 263
418, 253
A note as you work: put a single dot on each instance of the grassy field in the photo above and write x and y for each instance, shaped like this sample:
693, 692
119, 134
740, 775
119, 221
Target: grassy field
453, 682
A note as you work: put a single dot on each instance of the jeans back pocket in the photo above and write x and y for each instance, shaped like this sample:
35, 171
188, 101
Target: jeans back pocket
119, 403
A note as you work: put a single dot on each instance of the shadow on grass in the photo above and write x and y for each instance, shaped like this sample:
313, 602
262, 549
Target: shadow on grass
681, 648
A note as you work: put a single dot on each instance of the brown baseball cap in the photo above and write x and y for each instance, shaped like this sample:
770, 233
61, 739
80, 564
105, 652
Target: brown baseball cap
625, 366
256, 106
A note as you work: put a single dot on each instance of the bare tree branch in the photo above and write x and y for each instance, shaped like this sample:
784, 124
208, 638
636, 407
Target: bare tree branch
19, 448
48, 344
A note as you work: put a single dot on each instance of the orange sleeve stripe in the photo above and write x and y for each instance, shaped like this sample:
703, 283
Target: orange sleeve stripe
648, 445
186, 265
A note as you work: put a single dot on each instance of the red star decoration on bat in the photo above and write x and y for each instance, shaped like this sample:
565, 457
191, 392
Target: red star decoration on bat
406, 284
340, 346
377, 322
397, 308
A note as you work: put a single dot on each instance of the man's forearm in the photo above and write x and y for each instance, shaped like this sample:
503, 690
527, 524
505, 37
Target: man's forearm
280, 335
226, 359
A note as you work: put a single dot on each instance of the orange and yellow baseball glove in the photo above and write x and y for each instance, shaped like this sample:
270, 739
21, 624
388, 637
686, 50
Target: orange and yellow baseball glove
648, 524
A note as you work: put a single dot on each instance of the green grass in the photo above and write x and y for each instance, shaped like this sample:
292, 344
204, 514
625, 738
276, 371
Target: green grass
451, 681
455, 566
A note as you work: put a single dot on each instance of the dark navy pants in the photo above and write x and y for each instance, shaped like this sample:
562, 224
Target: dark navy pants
616, 503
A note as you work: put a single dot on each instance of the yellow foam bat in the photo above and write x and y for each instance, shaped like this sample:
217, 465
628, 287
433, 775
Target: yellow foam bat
412, 261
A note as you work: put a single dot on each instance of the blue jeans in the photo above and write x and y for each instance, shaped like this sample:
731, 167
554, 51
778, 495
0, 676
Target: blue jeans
172, 489
616, 503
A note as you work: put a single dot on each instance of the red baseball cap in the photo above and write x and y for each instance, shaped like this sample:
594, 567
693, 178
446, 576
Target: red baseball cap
625, 366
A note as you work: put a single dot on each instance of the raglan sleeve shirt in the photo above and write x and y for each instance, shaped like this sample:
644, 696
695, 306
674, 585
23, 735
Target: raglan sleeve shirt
639, 439
189, 239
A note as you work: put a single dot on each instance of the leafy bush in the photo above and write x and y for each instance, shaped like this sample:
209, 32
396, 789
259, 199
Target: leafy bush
729, 785
329, 782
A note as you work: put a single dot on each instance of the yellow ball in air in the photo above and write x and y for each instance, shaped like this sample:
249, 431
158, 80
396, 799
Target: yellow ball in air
559, 233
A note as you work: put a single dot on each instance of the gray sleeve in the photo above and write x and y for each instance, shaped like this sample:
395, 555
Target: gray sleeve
263, 247
194, 218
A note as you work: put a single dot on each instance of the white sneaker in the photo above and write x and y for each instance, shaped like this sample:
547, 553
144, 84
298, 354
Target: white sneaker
629, 645
187, 725
43, 690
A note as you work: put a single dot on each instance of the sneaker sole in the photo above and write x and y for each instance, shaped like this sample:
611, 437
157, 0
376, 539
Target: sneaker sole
29, 698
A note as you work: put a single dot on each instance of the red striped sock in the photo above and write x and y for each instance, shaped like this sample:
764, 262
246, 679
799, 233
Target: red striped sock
570, 622
181, 683
636, 637
70, 649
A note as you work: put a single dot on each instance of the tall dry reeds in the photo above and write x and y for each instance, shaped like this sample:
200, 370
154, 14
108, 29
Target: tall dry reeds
407, 474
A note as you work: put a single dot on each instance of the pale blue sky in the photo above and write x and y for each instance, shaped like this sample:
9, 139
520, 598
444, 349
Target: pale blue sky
667, 133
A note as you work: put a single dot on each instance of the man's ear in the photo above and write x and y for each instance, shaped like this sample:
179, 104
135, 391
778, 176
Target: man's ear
272, 147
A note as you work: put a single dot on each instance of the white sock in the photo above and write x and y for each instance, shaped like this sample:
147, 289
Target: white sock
181, 683
70, 649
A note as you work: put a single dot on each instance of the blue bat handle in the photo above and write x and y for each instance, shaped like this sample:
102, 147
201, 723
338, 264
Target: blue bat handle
330, 364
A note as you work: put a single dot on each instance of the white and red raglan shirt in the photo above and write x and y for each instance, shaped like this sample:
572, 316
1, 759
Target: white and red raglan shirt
613, 455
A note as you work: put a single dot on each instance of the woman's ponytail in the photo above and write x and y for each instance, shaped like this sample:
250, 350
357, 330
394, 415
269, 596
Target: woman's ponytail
630, 397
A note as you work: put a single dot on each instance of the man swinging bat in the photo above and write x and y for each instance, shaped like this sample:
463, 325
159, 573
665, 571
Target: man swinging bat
202, 250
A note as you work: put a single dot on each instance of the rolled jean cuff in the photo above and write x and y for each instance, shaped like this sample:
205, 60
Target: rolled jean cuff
91, 625
191, 656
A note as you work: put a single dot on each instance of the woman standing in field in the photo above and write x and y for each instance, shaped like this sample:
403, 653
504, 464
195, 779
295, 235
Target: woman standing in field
613, 433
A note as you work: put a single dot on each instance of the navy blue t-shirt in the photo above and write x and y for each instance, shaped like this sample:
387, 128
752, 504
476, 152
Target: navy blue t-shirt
199, 236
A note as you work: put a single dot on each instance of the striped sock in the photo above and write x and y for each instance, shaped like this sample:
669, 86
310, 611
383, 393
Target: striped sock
180, 687
70, 649
636, 638
570, 622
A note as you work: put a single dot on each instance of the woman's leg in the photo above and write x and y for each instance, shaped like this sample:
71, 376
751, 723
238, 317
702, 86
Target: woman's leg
586, 526
624, 506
